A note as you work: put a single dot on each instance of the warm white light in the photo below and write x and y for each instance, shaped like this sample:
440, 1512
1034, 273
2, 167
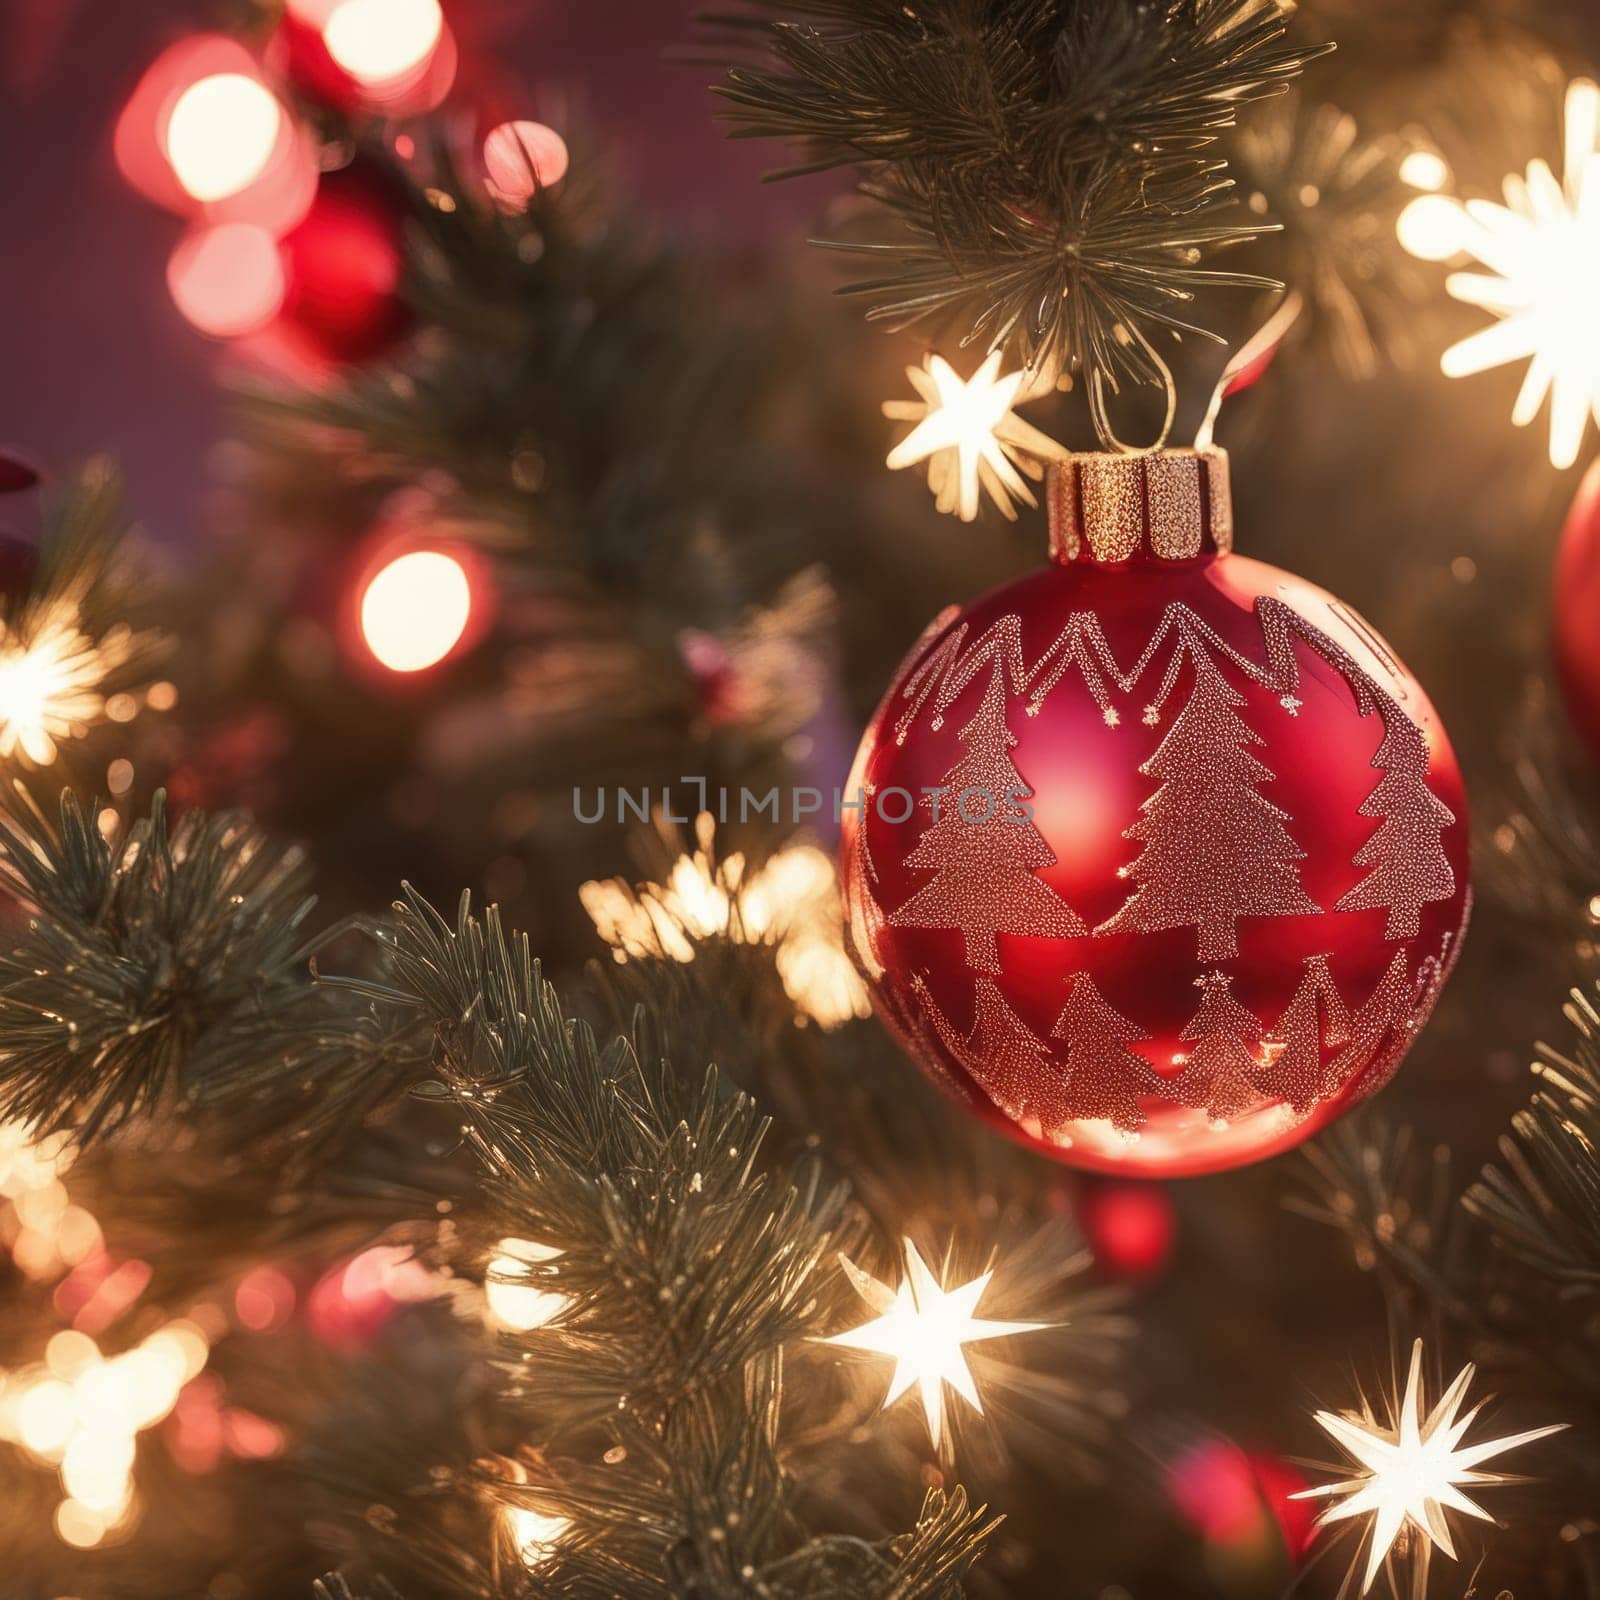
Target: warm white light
221, 134
968, 434
50, 684
415, 610
1433, 227
1424, 169
1542, 252
533, 1533
46, 1417
378, 41
1411, 1473
925, 1328
78, 1526
791, 903
516, 1299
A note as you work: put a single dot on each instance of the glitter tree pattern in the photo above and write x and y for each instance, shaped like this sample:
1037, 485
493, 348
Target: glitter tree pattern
1380, 1029
1409, 867
1104, 1078
1011, 1063
1314, 1019
983, 850
1220, 1070
1215, 849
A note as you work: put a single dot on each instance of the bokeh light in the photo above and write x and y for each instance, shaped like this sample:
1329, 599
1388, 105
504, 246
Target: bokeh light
791, 902
228, 280
520, 158
1425, 169
381, 41
533, 1533
1432, 227
415, 610
516, 1298
1130, 1227
203, 133
221, 134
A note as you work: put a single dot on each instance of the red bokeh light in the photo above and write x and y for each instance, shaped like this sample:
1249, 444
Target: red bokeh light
264, 1299
227, 280
522, 157
344, 267
1131, 1227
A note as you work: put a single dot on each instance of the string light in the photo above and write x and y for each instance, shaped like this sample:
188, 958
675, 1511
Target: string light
380, 41
533, 1533
968, 434
51, 674
227, 281
520, 158
415, 610
221, 134
78, 1410
791, 903
1542, 252
1411, 1472
926, 1328
516, 1299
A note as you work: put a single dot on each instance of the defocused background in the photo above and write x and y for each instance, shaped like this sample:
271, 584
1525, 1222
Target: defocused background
104, 359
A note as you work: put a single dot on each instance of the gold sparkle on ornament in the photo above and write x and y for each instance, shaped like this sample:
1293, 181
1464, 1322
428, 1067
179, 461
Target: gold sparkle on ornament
971, 438
1542, 252
925, 1328
1411, 1472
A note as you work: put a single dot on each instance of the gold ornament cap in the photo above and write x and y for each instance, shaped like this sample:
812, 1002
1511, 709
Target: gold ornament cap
1168, 505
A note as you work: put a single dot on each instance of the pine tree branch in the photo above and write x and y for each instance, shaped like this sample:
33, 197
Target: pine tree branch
159, 966
685, 1266
1051, 164
1543, 1204
66, 633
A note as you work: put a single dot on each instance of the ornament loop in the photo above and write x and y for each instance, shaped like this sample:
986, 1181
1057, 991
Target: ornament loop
1101, 416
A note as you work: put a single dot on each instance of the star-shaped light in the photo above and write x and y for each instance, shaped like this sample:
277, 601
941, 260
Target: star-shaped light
925, 1327
1542, 251
970, 437
1412, 1472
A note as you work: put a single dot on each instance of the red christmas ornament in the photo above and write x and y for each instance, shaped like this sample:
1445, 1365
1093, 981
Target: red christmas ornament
1575, 611
344, 264
1160, 860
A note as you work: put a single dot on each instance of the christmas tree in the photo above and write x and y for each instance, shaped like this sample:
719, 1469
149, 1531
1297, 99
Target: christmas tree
1221, 1069
1011, 1062
1315, 1018
1215, 848
984, 850
398, 1254
1104, 1077
1408, 867
1378, 1024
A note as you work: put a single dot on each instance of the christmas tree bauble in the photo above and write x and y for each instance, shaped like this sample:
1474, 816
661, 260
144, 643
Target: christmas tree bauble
1156, 857
1575, 611
344, 264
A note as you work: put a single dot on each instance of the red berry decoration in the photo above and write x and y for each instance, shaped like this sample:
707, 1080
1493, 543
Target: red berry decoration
1161, 856
1575, 611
